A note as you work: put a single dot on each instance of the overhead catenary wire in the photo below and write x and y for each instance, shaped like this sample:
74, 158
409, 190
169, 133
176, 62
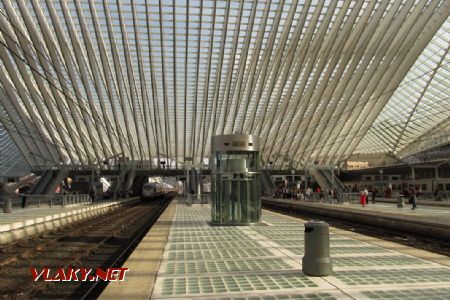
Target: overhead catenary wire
93, 114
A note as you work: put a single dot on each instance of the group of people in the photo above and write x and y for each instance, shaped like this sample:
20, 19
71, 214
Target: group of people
306, 194
364, 196
411, 194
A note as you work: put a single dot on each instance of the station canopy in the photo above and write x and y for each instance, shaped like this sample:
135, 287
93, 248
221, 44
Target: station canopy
83, 81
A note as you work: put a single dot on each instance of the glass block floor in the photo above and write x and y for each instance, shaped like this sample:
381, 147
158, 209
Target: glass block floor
264, 262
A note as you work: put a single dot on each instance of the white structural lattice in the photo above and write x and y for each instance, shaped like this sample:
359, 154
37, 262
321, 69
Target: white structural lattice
154, 80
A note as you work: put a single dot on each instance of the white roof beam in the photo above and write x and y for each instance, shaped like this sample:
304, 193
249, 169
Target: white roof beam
87, 112
120, 81
106, 75
132, 95
431, 18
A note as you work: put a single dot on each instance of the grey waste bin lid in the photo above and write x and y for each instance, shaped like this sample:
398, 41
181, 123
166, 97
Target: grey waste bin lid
316, 226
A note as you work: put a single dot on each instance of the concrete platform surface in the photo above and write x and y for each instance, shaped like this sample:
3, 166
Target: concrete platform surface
25, 222
264, 262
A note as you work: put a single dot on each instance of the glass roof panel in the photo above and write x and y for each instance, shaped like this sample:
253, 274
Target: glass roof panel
150, 79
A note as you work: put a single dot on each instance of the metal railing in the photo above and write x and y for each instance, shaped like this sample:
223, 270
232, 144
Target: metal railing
351, 197
198, 199
326, 198
430, 196
50, 200
440, 196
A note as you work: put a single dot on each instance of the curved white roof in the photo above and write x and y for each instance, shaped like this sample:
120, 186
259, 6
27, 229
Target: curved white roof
316, 80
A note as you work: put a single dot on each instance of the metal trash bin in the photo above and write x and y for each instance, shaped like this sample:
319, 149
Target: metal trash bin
317, 260
400, 201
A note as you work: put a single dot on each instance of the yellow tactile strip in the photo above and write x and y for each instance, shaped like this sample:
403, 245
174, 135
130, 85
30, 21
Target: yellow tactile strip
144, 262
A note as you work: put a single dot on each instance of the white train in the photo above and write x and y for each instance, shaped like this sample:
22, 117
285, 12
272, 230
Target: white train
156, 190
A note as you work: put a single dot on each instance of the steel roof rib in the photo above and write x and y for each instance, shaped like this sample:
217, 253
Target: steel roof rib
22, 89
311, 71
131, 93
219, 72
311, 51
261, 74
304, 47
251, 80
364, 81
226, 98
379, 80
120, 80
423, 141
195, 100
143, 87
111, 85
11, 103
142, 104
295, 73
332, 92
175, 100
41, 101
93, 65
164, 87
89, 118
424, 116
90, 143
136, 98
277, 59
421, 97
185, 81
15, 157
403, 62
157, 122
331, 47
23, 141
237, 93
205, 128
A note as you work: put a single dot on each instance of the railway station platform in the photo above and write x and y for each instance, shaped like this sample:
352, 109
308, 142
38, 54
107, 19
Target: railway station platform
184, 257
26, 222
426, 220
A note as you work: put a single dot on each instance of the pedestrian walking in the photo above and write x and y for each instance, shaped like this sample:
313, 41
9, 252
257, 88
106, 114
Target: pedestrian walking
413, 198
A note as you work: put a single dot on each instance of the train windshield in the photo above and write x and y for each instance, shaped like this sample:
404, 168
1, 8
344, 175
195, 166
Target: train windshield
148, 187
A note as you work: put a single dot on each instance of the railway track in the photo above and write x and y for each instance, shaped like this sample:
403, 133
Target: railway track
101, 242
429, 243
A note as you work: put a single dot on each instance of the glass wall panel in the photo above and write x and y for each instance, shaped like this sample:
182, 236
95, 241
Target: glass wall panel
236, 186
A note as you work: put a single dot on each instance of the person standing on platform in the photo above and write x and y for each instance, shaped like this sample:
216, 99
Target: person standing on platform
362, 198
308, 194
92, 194
335, 195
413, 198
24, 200
366, 196
373, 196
